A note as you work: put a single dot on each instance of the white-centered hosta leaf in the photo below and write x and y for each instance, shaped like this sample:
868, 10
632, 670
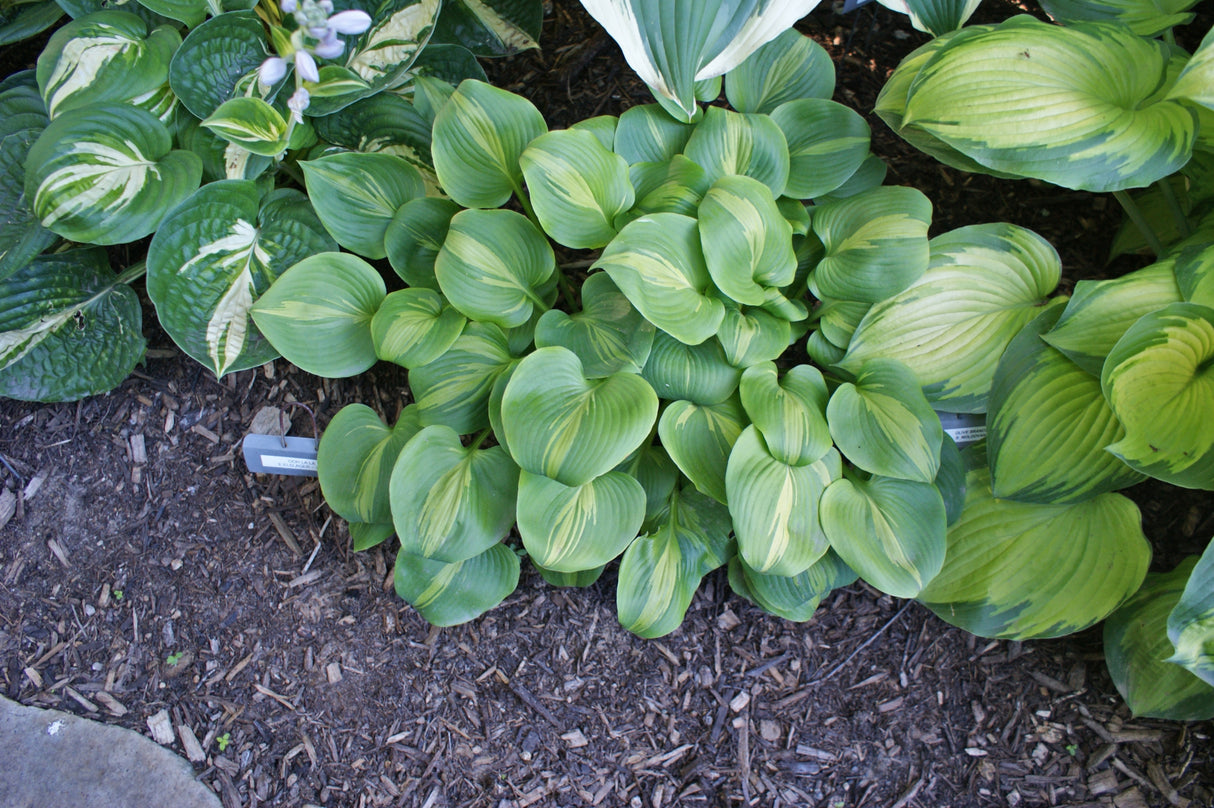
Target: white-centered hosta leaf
383, 54
698, 373
750, 336
357, 196
827, 144
450, 594
746, 240
608, 335
646, 134
728, 142
793, 597
413, 327
788, 68
213, 59
454, 389
789, 411
355, 458
578, 528
699, 438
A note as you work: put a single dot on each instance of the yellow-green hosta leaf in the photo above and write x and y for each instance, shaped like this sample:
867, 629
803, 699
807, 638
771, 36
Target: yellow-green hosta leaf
838, 319
674, 186
1191, 621
580, 579
827, 144
355, 458
450, 594
582, 527
870, 174
1194, 269
937, 17
383, 54
746, 240
1144, 17
984, 283
823, 351
364, 535
646, 134
658, 475
789, 68
414, 237
699, 438
608, 335
454, 389
793, 597
451, 502
789, 412
1137, 649
561, 425
413, 327
727, 142
697, 373
891, 532
750, 336
1194, 82
774, 506
357, 196
251, 124
1022, 571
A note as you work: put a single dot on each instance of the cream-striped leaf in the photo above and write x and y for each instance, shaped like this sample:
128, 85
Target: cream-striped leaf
790, 67
251, 124
357, 196
383, 54
793, 597
608, 335
751, 336
413, 327
450, 594
454, 389
746, 240
582, 527
1191, 621
699, 439
728, 142
355, 458
491, 27
827, 144
789, 412
646, 134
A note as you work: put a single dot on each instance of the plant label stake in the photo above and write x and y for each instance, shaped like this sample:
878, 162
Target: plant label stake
279, 454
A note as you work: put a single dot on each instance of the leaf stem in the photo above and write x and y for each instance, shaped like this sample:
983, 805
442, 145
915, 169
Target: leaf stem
133, 272
1135, 213
1169, 196
476, 443
525, 201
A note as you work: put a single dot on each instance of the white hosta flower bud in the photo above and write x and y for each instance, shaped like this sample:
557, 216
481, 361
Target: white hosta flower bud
350, 22
329, 47
271, 71
288, 6
306, 65
298, 102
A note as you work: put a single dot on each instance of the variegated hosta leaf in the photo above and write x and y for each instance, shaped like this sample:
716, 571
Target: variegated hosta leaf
213, 58
790, 67
582, 527
750, 336
789, 412
602, 127
876, 244
413, 327
250, 123
793, 597
661, 571
1159, 381
355, 458
214, 255
451, 502
382, 124
107, 174
891, 532
478, 137
699, 438
838, 319
383, 54
357, 196
577, 187
582, 578
337, 89
69, 328
1194, 269
450, 594
108, 56
561, 425
747, 242
1021, 571
1049, 425
870, 175
774, 506
414, 237
937, 17
827, 144
696, 373
1100, 312
1191, 622
822, 350
1137, 649
608, 335
365, 535
656, 261
1144, 17
984, 283
496, 267
1091, 88
1194, 81
318, 314
727, 142
646, 134
491, 27
658, 476
454, 389
675, 186
884, 424
22, 119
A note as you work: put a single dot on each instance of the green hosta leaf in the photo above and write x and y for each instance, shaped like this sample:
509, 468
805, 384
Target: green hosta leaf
793, 597
582, 578
561, 425
1193, 83
790, 67
1159, 381
699, 438
495, 267
1191, 622
697, 373
414, 237
22, 119
891, 532
190, 12
491, 27
1136, 649
213, 58
577, 187
450, 594
578, 528
827, 144
876, 244
658, 476
676, 186
22, 22
69, 328
608, 336
479, 135
660, 571
318, 314
774, 506
789, 412
355, 458
1144, 17
1021, 571
751, 336
454, 389
646, 134
413, 327
822, 350
602, 127
656, 261
870, 175
1194, 269
838, 319
383, 54
337, 89
364, 536
251, 124
950, 479
382, 124
1049, 425
357, 196
726, 143
214, 255
746, 240
884, 424
984, 283
451, 502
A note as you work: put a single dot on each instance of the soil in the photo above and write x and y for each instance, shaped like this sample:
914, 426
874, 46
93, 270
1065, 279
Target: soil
145, 570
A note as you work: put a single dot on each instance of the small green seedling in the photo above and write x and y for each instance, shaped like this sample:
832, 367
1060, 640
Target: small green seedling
174, 658
223, 741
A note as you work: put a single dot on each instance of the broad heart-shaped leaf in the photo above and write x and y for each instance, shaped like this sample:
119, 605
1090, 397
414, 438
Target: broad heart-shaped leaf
1144, 17
1021, 571
774, 506
1193, 83
727, 142
674, 186
383, 54
1048, 425
747, 242
454, 389
365, 535
413, 327
789, 412
950, 327
884, 424
751, 336
107, 174
382, 124
793, 597
1159, 381
1137, 649
414, 237
578, 187
22, 22
251, 124
891, 532
104, 57
357, 196
1191, 621
1100, 312
318, 314
656, 261
697, 373
69, 328
450, 594
876, 244
827, 144
214, 255
561, 425
213, 58
699, 439
578, 528
646, 134
660, 571
496, 267
609, 335
451, 502
355, 459
790, 67
1096, 84
490, 27
478, 137
22, 237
